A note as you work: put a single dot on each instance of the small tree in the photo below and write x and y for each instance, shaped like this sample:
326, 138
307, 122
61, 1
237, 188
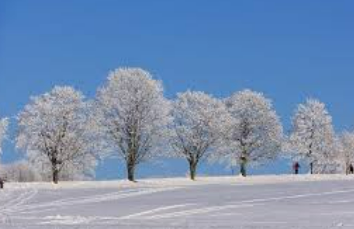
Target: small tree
312, 132
55, 128
256, 132
346, 151
21, 171
132, 114
3, 129
199, 125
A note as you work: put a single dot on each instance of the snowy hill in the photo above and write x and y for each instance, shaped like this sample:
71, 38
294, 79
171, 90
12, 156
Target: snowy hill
274, 202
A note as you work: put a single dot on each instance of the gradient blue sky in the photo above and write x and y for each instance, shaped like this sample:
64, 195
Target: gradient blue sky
289, 50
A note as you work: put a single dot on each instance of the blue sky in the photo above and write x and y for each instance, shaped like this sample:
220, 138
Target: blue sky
289, 50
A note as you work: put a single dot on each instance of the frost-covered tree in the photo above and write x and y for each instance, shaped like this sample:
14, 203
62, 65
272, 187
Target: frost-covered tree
256, 132
346, 150
56, 128
199, 125
21, 171
312, 133
73, 171
3, 129
132, 114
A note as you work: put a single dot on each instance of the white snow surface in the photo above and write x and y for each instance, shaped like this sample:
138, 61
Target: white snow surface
257, 202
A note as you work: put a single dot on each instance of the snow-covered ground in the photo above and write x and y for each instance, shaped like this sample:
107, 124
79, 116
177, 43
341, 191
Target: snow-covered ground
260, 202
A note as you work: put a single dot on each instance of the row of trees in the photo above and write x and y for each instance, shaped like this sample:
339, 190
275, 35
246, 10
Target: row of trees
64, 135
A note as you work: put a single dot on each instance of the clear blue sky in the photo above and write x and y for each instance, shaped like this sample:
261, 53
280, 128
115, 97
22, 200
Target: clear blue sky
289, 50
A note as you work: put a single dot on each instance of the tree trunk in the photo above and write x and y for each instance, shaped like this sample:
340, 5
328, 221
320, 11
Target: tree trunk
192, 169
55, 176
131, 171
243, 164
55, 170
311, 167
131, 162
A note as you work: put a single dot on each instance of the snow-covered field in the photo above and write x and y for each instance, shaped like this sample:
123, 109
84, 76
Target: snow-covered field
260, 202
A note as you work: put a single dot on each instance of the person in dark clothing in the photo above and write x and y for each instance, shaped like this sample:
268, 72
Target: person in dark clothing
351, 169
2, 183
296, 167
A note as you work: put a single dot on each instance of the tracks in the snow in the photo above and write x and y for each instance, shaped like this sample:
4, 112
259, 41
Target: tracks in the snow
19, 201
45, 207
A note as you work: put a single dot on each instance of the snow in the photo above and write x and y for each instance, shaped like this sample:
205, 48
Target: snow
257, 202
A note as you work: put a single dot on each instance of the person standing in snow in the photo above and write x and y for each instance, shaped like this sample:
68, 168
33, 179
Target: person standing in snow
296, 167
2, 181
351, 169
